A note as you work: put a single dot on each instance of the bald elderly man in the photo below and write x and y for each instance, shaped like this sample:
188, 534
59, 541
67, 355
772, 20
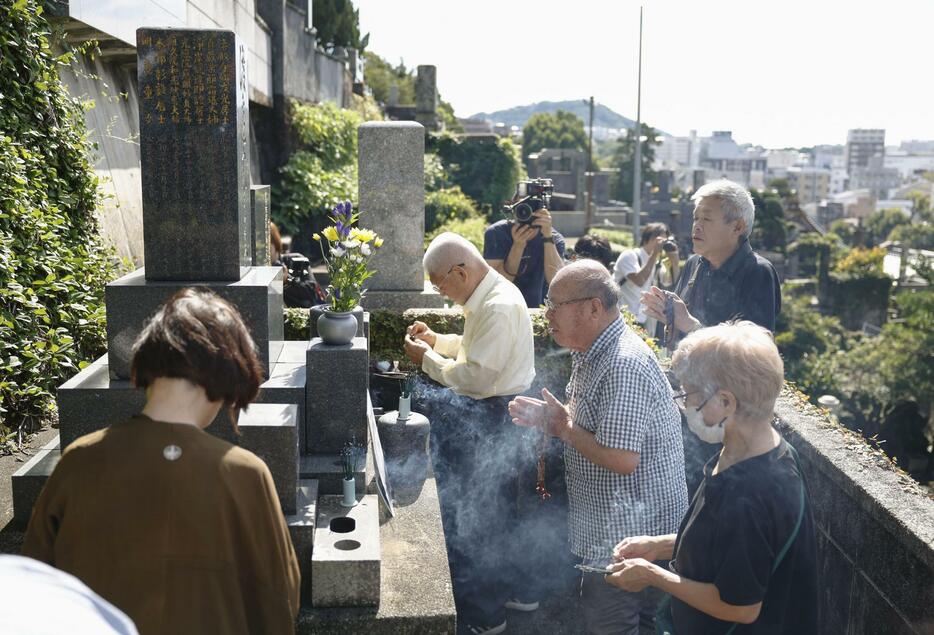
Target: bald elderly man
622, 439
473, 445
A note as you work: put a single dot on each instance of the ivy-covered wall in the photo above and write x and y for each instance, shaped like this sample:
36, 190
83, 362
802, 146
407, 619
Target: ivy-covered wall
53, 263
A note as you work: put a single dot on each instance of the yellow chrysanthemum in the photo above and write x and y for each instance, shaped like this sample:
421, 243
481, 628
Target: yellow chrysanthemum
330, 233
378, 242
363, 235
316, 237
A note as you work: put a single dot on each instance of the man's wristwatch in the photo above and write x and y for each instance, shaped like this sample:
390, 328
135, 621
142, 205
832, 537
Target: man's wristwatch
549, 239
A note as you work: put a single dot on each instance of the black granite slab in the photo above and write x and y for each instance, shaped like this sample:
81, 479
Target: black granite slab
132, 300
194, 151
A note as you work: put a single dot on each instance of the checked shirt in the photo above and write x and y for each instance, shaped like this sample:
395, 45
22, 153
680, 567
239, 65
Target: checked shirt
619, 393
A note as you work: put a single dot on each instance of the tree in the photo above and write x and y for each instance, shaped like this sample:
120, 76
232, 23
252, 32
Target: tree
380, 75
880, 224
485, 169
337, 23
624, 160
559, 130
914, 236
850, 234
769, 231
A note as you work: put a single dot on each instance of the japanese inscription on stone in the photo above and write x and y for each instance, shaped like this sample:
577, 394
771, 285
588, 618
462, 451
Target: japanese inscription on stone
194, 150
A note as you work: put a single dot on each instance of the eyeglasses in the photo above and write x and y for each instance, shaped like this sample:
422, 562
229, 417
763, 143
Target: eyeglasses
552, 306
437, 287
681, 399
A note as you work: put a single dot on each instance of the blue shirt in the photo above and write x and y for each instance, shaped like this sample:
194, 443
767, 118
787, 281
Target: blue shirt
497, 241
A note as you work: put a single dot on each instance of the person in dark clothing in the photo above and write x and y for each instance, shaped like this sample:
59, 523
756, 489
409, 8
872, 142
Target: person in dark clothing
744, 560
594, 247
724, 279
529, 256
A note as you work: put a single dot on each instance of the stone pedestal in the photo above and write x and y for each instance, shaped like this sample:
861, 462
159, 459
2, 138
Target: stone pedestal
346, 558
92, 399
302, 532
335, 395
270, 431
133, 299
27, 482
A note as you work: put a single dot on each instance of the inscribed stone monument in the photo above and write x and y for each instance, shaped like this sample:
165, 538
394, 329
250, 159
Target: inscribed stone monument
194, 140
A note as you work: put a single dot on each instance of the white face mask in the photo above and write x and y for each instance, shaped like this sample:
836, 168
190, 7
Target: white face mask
707, 434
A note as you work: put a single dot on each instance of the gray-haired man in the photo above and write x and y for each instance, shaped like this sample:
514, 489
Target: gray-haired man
622, 435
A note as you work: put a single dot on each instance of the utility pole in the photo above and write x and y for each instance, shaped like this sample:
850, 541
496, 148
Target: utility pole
589, 200
637, 168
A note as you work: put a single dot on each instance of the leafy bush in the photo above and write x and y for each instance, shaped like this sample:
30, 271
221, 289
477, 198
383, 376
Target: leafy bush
447, 205
486, 169
53, 263
323, 171
471, 228
436, 177
860, 262
553, 130
619, 237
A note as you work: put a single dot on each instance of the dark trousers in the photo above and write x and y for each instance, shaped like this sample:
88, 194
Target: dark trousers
609, 610
474, 452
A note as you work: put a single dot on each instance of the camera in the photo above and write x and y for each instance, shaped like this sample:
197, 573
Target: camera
670, 245
530, 197
298, 265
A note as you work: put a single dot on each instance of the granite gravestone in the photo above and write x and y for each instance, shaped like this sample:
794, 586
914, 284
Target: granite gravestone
426, 97
194, 140
259, 201
392, 199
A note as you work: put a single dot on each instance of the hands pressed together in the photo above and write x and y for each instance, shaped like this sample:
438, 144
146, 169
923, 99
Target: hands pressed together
631, 569
548, 413
419, 339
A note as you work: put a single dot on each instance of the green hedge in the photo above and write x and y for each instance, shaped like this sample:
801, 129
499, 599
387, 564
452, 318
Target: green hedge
323, 170
447, 205
53, 263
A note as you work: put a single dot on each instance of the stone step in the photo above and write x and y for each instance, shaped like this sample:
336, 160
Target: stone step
346, 559
270, 431
28, 481
327, 469
92, 399
132, 300
302, 531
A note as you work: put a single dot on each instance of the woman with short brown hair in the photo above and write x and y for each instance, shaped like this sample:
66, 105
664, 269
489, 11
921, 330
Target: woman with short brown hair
179, 529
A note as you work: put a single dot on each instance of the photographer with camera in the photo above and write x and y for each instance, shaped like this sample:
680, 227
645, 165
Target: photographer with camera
637, 270
524, 247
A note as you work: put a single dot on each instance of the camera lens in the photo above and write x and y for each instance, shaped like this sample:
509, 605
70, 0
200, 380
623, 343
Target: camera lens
523, 212
670, 245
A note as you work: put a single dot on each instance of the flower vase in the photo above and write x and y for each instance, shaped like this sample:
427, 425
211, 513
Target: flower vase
350, 492
337, 327
405, 407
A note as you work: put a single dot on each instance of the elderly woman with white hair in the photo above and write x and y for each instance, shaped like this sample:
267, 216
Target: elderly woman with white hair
724, 279
744, 558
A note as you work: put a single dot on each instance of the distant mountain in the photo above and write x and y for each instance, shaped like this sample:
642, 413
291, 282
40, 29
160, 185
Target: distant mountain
603, 117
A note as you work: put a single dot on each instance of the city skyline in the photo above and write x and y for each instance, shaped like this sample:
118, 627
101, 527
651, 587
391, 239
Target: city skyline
795, 75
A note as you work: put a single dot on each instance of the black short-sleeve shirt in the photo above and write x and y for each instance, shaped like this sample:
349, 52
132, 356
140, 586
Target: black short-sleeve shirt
738, 522
497, 241
745, 287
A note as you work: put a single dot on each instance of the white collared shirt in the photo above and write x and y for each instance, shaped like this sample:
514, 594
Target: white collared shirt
495, 356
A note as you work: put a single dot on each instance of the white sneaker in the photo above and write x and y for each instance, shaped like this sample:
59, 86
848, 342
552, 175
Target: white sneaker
517, 605
485, 630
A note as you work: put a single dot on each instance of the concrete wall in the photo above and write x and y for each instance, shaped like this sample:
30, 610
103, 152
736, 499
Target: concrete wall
875, 531
113, 125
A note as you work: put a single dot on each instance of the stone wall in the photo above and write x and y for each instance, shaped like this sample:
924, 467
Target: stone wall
875, 530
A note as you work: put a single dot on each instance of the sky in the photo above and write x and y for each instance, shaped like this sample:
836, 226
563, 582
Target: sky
778, 74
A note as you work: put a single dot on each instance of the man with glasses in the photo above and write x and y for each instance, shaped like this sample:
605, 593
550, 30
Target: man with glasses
622, 437
474, 448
